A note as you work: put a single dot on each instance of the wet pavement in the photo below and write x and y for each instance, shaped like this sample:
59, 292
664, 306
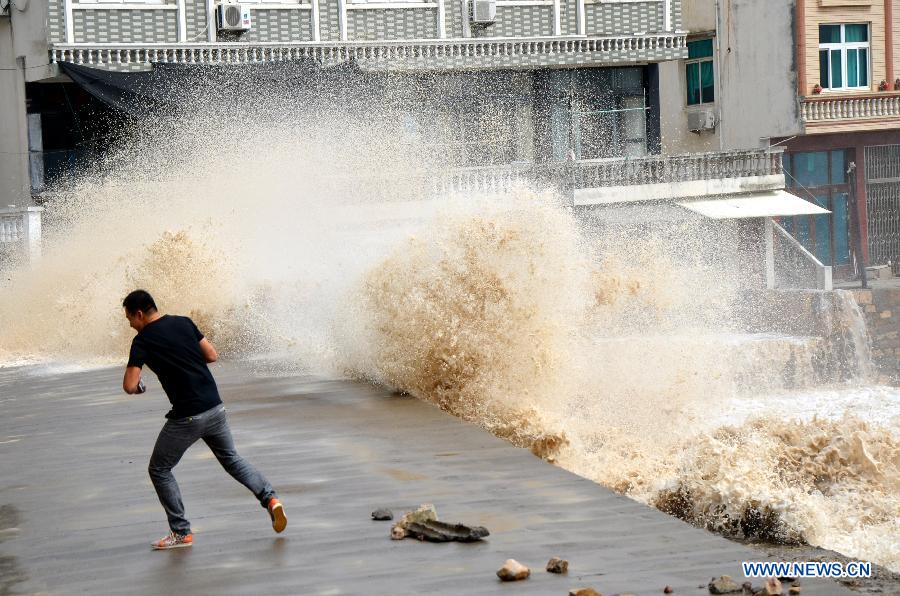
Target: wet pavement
78, 512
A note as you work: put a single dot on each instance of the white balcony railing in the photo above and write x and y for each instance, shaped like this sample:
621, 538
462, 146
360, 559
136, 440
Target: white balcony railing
20, 232
382, 50
832, 109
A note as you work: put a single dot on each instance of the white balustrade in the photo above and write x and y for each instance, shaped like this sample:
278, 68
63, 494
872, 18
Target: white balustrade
850, 108
241, 53
679, 168
22, 227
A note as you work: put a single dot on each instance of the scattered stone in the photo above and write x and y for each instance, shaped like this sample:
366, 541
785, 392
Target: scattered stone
584, 592
438, 531
557, 565
748, 589
423, 514
794, 590
382, 515
723, 585
668, 590
513, 571
630, 594
772, 587
424, 525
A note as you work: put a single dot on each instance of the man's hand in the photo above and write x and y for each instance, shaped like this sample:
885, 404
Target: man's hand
132, 383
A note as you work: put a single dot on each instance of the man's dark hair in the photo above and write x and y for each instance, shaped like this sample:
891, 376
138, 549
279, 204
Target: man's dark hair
139, 300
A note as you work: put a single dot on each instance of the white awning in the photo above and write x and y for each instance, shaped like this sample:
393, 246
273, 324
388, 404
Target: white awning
764, 204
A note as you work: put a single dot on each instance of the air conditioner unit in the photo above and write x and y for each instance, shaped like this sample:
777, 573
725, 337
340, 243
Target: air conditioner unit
233, 17
484, 12
699, 120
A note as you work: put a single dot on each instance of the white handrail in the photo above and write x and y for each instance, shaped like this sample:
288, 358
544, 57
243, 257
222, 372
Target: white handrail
823, 272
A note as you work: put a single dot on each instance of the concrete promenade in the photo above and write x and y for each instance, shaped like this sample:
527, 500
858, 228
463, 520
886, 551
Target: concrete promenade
78, 512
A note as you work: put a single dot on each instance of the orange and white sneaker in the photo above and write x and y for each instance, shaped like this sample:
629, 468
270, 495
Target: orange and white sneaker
173, 540
276, 512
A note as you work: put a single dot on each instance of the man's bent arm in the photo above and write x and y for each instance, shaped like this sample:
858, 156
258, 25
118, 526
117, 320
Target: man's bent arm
209, 352
132, 380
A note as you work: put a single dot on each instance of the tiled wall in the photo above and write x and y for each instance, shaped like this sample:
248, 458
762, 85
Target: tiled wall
818, 13
293, 25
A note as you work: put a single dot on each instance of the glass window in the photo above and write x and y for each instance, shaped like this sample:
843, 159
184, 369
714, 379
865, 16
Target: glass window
820, 177
863, 67
823, 68
837, 73
700, 49
856, 33
707, 82
844, 56
788, 224
829, 34
693, 83
852, 68
838, 167
700, 73
811, 169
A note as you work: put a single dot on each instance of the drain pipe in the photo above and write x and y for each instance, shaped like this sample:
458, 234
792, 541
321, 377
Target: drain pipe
853, 207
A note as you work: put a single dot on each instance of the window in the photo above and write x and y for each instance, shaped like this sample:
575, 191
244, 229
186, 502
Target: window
699, 72
844, 56
820, 177
104, 2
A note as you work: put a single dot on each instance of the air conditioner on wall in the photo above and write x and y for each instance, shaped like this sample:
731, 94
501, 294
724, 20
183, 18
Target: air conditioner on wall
233, 17
700, 120
484, 12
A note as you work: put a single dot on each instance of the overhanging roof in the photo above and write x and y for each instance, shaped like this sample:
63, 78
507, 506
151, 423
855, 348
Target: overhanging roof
764, 204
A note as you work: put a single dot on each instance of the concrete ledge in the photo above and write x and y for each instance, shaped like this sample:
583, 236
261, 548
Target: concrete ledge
677, 190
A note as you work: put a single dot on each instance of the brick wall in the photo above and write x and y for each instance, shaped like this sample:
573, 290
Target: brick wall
882, 310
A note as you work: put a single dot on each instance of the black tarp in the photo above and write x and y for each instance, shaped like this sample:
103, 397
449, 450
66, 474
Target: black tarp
174, 87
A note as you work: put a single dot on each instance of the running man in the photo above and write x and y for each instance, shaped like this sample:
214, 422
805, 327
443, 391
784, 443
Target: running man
174, 349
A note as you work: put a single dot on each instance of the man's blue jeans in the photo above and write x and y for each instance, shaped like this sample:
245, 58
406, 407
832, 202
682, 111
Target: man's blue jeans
175, 438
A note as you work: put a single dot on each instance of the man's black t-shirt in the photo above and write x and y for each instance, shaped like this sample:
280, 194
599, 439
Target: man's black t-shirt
170, 347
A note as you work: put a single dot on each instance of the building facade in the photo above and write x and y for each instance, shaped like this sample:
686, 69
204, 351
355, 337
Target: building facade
588, 67
822, 84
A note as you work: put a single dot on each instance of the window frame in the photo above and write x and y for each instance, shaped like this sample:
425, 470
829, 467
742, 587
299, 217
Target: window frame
711, 58
844, 46
827, 195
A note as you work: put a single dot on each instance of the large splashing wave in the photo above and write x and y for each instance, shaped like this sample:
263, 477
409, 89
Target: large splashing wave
601, 351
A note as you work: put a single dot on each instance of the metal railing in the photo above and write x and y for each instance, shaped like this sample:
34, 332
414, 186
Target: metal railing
824, 108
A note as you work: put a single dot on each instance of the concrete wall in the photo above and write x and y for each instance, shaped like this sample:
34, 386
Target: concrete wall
292, 23
881, 307
15, 181
23, 57
699, 15
755, 78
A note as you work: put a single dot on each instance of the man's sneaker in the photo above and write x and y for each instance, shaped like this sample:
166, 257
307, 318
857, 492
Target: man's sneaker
173, 540
276, 512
